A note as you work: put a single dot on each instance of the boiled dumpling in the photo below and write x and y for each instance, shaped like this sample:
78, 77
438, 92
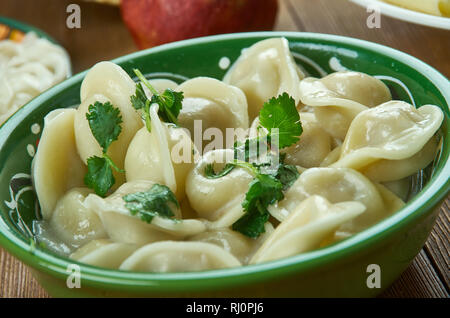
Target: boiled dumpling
339, 185
165, 155
239, 245
169, 256
339, 97
160, 84
309, 224
400, 188
313, 147
264, 70
123, 227
73, 222
218, 200
385, 170
391, 131
57, 167
103, 253
213, 104
105, 82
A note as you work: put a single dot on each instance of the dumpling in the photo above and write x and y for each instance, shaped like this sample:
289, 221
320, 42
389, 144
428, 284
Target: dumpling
392, 131
339, 97
332, 157
339, 185
165, 155
169, 256
313, 147
103, 253
213, 104
123, 227
239, 245
160, 84
400, 188
73, 222
385, 170
107, 81
57, 167
264, 70
310, 223
218, 200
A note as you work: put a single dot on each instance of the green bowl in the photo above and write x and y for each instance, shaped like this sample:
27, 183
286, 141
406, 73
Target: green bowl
339, 270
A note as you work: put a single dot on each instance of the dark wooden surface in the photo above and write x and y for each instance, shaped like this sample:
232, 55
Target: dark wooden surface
103, 36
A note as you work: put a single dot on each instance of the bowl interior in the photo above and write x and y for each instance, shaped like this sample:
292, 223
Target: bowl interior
408, 79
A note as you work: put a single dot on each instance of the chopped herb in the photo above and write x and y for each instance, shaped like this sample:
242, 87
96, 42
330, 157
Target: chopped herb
154, 202
169, 102
282, 120
104, 120
264, 190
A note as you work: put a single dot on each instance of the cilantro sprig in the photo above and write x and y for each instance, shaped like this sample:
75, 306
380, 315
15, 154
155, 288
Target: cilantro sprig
154, 202
281, 119
169, 101
105, 123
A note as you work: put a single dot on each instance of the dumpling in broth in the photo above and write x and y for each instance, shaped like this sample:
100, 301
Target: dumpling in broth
394, 131
264, 70
313, 147
165, 155
239, 245
339, 185
57, 167
107, 82
123, 227
73, 222
309, 224
339, 97
213, 104
218, 199
103, 253
169, 256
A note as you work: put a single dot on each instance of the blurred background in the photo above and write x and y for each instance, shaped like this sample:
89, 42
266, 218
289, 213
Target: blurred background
104, 35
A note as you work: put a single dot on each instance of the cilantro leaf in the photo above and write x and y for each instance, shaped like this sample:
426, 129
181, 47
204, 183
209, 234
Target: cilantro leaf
154, 202
264, 190
169, 102
139, 100
281, 113
282, 121
287, 174
169, 105
251, 224
211, 174
99, 176
104, 120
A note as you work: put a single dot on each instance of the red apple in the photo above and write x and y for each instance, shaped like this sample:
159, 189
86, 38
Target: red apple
154, 22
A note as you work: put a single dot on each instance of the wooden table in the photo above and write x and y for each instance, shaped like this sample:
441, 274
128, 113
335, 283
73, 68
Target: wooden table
103, 36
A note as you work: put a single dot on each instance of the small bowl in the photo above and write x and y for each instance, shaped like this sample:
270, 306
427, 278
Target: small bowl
340, 270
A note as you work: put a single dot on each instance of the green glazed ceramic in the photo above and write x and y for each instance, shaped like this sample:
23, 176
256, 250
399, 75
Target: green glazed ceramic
338, 270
